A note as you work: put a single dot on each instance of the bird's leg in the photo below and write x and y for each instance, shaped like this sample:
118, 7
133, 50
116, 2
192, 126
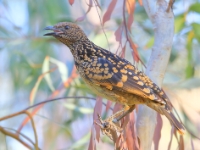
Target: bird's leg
126, 112
111, 126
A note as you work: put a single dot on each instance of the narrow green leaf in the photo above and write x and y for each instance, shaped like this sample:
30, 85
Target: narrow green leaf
196, 29
190, 65
150, 42
179, 23
195, 7
61, 68
46, 68
82, 110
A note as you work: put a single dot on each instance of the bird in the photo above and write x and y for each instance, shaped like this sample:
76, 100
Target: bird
111, 76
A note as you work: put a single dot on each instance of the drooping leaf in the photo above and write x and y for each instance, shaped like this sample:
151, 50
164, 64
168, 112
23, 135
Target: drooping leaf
118, 33
82, 110
61, 68
130, 5
88, 10
46, 68
190, 66
179, 23
196, 29
71, 2
195, 7
122, 54
109, 11
109, 103
171, 137
92, 144
192, 144
35, 88
181, 143
134, 51
140, 2
150, 42
97, 111
157, 132
131, 136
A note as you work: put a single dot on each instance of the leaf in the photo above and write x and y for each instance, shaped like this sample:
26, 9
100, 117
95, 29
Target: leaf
195, 7
130, 5
140, 2
157, 132
46, 68
192, 144
196, 29
118, 33
82, 110
171, 137
92, 144
117, 107
179, 23
71, 2
109, 103
88, 10
190, 66
134, 52
81, 18
61, 68
131, 137
150, 42
122, 54
35, 88
181, 143
97, 111
109, 11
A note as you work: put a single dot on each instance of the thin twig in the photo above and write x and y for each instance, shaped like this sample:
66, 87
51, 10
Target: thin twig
101, 24
34, 129
15, 136
21, 134
127, 33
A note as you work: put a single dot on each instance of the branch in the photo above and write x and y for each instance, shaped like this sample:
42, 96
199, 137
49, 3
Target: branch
15, 136
163, 21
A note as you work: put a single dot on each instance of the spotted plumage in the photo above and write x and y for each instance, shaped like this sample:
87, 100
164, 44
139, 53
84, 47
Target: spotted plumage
110, 76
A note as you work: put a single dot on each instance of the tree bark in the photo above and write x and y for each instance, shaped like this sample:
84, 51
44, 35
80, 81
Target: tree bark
163, 21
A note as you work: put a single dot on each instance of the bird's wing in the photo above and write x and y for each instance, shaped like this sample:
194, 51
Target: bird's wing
114, 72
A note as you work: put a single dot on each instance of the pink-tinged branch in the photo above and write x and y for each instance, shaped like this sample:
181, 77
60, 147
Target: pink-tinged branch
163, 22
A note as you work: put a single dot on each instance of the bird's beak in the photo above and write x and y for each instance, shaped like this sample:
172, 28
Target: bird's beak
56, 31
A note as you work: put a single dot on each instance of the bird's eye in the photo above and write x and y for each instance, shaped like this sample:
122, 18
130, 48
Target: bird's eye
66, 27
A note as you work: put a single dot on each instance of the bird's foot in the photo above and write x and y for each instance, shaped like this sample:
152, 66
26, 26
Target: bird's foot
110, 127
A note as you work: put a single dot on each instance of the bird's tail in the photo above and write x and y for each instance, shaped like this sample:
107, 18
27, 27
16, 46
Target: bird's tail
180, 128
169, 114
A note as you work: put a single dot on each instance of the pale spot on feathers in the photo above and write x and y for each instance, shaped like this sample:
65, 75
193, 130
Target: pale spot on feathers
135, 78
124, 78
123, 71
152, 97
146, 90
119, 84
140, 83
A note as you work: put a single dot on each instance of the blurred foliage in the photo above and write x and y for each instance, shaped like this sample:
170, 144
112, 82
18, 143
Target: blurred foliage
23, 49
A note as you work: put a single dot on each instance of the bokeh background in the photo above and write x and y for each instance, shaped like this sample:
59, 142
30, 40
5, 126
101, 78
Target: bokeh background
26, 56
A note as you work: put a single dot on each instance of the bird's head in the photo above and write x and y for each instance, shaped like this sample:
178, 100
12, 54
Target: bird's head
66, 32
